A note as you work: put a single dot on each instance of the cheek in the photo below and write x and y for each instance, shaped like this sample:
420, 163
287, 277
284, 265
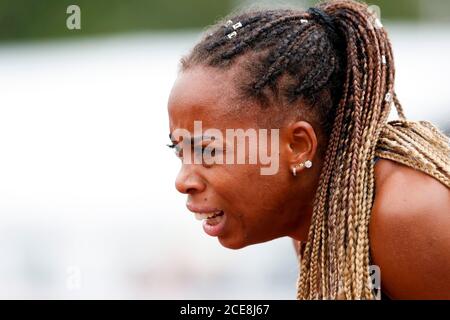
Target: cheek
250, 195
253, 204
239, 181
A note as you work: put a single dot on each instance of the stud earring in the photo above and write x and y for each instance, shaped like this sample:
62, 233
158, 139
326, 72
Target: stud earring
308, 164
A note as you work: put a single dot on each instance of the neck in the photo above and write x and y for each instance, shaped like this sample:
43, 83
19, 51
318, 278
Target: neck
302, 231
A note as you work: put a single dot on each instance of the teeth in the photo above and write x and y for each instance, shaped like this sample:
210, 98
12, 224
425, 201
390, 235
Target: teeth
203, 216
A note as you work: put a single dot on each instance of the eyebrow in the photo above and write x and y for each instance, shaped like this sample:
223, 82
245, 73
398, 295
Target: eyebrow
194, 140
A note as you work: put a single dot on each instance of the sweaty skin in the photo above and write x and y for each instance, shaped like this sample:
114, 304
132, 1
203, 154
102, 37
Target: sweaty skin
410, 223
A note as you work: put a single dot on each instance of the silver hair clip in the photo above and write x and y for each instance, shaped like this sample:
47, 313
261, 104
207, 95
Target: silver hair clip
302, 21
237, 25
383, 59
387, 98
378, 24
232, 35
228, 23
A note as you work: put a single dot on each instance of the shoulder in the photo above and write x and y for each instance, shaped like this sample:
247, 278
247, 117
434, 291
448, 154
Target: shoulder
409, 232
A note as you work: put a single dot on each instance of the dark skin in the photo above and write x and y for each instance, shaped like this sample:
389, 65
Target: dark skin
409, 240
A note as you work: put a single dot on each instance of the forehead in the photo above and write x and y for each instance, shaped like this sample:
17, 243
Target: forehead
209, 95
195, 87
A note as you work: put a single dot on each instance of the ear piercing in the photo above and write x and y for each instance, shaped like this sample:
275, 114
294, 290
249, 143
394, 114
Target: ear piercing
307, 164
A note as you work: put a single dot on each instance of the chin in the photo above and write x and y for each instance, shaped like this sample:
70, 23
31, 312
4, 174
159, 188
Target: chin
233, 244
239, 243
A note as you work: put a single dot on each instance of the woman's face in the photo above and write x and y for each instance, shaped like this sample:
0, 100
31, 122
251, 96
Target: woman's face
252, 207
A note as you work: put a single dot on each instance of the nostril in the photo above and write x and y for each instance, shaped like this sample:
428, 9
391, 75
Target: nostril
190, 190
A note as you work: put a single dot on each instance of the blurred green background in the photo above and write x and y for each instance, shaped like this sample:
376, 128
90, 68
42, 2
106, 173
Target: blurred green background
29, 19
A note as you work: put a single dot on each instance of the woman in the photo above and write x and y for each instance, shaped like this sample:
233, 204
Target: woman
352, 190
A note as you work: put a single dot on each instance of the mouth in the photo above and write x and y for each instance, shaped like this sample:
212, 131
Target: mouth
213, 220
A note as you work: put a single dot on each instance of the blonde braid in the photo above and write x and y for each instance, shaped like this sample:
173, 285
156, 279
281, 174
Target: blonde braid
336, 260
404, 141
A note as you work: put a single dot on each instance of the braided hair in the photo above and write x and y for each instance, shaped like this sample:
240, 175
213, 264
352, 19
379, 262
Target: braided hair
336, 59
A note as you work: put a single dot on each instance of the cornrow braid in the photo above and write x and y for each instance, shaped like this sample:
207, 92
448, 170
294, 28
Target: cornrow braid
338, 60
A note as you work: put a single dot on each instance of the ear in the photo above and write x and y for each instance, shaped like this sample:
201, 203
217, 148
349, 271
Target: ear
302, 141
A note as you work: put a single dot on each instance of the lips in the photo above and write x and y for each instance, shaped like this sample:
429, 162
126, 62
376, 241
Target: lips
213, 218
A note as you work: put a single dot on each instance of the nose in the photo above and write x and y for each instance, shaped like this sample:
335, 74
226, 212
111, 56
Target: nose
189, 182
